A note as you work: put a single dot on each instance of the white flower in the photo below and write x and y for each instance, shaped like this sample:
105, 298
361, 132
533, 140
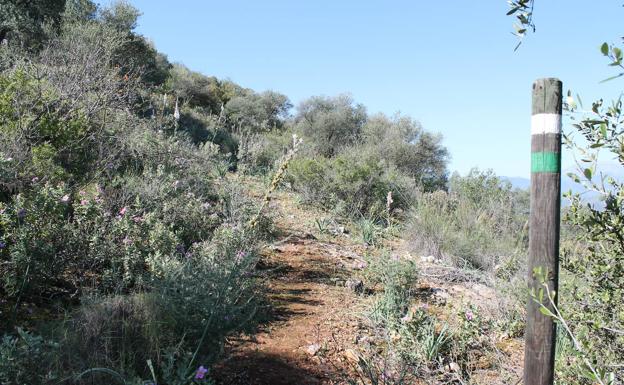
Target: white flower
176, 113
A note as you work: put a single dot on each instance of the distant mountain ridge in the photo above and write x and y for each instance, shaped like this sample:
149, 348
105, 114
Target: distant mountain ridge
567, 184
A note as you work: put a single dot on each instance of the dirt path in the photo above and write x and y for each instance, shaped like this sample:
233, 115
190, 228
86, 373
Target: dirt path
315, 320
314, 317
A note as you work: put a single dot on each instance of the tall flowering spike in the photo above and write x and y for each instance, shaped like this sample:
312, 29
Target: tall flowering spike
176, 112
389, 201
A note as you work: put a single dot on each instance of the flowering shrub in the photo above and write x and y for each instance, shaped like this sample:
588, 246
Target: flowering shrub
134, 230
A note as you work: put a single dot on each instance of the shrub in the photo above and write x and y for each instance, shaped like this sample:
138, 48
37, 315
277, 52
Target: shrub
592, 274
397, 277
27, 358
353, 183
480, 223
255, 113
409, 341
122, 220
194, 301
402, 142
259, 154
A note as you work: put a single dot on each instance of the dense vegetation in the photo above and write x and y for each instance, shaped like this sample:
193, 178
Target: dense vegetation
129, 245
127, 252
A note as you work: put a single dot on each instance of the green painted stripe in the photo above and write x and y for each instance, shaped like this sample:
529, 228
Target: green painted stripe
545, 162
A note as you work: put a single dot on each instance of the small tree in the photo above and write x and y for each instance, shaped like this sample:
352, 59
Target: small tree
330, 123
402, 141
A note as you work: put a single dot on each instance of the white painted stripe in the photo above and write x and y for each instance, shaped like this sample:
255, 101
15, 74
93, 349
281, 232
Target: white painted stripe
545, 124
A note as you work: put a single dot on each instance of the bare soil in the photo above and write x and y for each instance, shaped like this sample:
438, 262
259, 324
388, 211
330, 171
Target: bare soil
315, 320
314, 317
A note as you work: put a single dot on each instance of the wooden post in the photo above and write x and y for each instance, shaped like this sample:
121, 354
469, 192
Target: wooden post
539, 353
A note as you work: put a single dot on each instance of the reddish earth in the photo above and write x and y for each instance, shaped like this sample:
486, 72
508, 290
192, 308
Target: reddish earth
313, 316
314, 319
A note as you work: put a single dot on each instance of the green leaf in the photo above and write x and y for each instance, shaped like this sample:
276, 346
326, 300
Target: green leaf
603, 130
588, 173
513, 10
604, 48
546, 312
612, 77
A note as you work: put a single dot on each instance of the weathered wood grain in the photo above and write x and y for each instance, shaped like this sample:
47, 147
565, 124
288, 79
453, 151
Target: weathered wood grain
543, 234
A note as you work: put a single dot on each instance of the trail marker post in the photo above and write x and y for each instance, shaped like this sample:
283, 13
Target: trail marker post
539, 353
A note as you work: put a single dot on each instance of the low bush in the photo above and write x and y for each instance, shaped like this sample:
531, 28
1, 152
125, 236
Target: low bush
119, 228
353, 183
192, 303
26, 358
259, 154
481, 223
410, 339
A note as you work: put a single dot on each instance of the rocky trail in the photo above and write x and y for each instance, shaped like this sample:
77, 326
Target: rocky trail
315, 320
313, 315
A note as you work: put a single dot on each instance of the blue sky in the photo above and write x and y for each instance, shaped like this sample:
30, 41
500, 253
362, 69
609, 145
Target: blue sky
449, 64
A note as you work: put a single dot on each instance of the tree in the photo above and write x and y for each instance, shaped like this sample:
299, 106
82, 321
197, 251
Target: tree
136, 55
258, 112
402, 141
198, 90
24, 23
330, 123
79, 10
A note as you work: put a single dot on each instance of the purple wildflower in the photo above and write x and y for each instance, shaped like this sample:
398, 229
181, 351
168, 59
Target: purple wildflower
2, 245
123, 211
21, 213
35, 179
84, 202
240, 256
180, 248
65, 198
82, 193
469, 315
201, 372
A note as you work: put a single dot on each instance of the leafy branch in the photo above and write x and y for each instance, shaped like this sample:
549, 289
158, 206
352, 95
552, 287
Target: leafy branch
550, 309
